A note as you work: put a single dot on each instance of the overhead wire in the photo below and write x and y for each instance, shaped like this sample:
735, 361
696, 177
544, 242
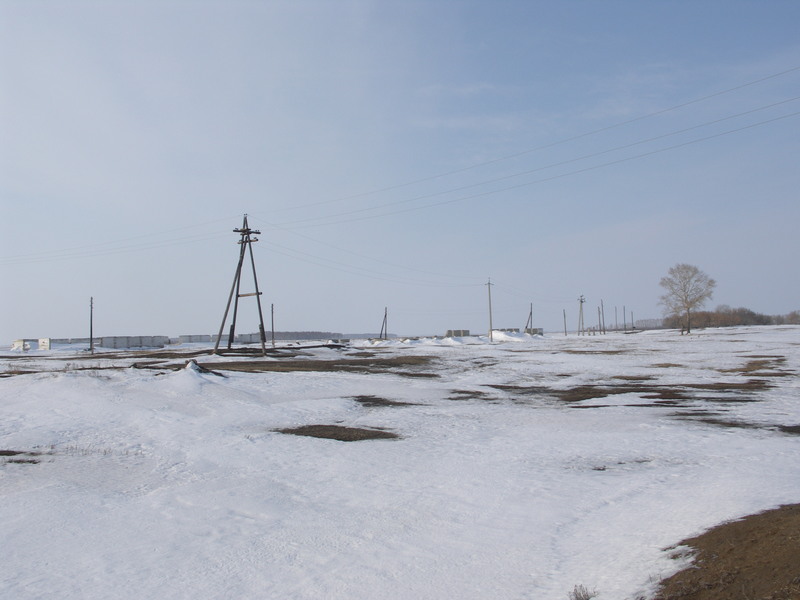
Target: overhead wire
543, 180
546, 146
360, 271
54, 256
278, 227
115, 246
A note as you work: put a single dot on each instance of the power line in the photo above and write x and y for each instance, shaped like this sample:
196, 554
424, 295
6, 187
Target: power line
544, 167
353, 270
59, 255
359, 255
546, 146
544, 180
114, 247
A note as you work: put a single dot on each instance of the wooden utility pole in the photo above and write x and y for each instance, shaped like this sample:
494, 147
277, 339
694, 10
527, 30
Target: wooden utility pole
272, 322
581, 327
91, 325
245, 244
384, 334
603, 311
565, 321
489, 285
529, 322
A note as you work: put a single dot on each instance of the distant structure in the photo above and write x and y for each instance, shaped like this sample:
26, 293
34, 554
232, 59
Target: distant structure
457, 333
23, 345
118, 342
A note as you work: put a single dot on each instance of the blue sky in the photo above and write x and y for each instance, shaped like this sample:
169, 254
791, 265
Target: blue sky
393, 154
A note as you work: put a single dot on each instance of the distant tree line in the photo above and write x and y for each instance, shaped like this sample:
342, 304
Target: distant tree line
725, 316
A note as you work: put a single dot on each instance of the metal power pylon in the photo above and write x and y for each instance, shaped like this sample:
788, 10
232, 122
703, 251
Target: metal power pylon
245, 244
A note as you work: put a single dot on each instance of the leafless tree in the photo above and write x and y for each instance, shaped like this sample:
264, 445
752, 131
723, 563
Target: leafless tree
687, 288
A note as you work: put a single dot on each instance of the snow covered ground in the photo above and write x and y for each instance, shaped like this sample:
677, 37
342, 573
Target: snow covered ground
522, 468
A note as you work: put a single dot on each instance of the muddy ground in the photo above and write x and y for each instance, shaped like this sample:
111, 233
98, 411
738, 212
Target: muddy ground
755, 558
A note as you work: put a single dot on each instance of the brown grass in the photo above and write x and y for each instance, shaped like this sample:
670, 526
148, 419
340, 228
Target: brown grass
752, 558
339, 432
593, 352
470, 395
355, 365
762, 366
377, 401
733, 391
23, 457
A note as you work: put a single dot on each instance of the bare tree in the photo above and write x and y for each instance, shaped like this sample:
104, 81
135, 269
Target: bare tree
687, 289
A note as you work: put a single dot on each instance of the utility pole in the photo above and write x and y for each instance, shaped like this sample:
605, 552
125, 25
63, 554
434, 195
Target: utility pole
245, 244
624, 319
581, 328
616, 320
603, 311
489, 285
599, 321
91, 325
272, 322
529, 322
565, 321
384, 334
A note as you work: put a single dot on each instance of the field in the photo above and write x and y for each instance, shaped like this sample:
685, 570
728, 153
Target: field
406, 469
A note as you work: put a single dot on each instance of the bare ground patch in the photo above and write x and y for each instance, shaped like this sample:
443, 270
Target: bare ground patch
596, 352
408, 366
339, 432
763, 366
755, 557
377, 401
470, 395
26, 457
717, 420
661, 394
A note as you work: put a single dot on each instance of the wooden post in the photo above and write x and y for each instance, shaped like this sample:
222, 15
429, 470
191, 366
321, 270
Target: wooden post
529, 322
384, 334
489, 285
603, 311
91, 325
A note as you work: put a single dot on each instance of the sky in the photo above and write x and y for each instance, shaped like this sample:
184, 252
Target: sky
394, 155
